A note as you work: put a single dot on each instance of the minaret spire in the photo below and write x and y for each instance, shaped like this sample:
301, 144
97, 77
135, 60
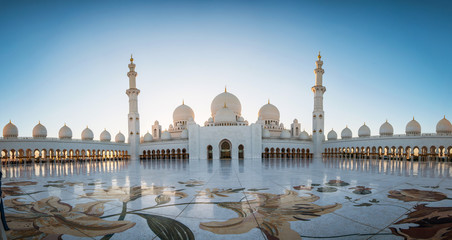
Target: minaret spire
134, 116
318, 115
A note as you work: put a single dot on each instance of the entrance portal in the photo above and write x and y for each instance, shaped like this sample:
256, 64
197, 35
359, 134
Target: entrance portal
225, 149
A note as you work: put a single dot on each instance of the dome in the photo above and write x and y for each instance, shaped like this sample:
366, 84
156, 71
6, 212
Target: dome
413, 128
241, 119
332, 135
39, 131
120, 138
156, 122
210, 120
231, 101
346, 133
225, 115
184, 134
166, 135
10, 131
364, 131
443, 127
87, 134
266, 133
147, 137
269, 112
295, 120
304, 135
183, 113
65, 132
285, 134
386, 129
105, 136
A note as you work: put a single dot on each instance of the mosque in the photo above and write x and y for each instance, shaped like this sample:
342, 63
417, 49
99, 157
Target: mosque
227, 135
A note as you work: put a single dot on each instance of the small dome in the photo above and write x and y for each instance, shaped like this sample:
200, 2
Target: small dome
241, 119
10, 131
147, 137
120, 138
304, 135
225, 115
266, 133
65, 132
386, 129
332, 135
87, 134
183, 113
269, 112
281, 125
156, 122
413, 128
184, 134
295, 120
210, 120
166, 135
171, 126
346, 133
443, 127
364, 131
285, 134
39, 131
105, 136
231, 101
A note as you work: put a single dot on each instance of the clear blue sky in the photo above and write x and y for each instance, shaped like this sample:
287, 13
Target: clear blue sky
66, 61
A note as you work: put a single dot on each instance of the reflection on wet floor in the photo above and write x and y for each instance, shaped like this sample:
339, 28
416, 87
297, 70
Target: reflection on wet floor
393, 167
230, 199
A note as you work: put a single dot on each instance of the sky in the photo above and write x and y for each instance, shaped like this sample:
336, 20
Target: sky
66, 61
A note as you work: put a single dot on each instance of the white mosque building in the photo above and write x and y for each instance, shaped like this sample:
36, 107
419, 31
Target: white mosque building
227, 135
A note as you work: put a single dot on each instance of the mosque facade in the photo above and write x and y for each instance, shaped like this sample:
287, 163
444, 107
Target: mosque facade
227, 135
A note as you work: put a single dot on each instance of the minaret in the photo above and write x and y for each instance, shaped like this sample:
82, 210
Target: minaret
134, 116
318, 115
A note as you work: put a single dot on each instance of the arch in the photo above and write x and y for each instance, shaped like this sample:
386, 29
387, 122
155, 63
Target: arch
209, 152
225, 147
241, 151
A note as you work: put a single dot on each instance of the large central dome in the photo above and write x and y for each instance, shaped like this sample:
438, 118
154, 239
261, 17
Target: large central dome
229, 99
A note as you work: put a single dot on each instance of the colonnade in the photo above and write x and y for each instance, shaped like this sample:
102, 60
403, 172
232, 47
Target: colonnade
415, 153
60, 155
287, 153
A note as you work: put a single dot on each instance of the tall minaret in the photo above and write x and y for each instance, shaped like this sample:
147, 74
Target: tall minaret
318, 115
134, 116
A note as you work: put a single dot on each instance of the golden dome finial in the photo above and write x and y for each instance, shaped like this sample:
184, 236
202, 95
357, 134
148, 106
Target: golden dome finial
413, 117
131, 58
444, 117
225, 90
183, 102
319, 57
269, 101
224, 105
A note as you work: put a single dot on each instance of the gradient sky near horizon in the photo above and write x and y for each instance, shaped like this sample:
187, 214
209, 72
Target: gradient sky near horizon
66, 61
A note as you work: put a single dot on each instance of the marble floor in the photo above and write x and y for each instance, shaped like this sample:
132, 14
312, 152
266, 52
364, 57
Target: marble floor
229, 199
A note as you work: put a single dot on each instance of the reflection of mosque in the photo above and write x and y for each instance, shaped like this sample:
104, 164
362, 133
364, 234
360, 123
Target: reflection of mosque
69, 168
227, 135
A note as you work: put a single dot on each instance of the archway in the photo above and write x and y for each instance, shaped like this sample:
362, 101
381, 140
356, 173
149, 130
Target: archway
209, 152
241, 153
225, 149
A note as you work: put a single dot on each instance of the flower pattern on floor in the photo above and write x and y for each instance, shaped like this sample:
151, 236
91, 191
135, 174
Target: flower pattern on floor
51, 218
433, 223
271, 213
415, 195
